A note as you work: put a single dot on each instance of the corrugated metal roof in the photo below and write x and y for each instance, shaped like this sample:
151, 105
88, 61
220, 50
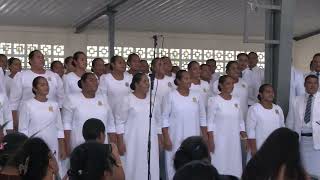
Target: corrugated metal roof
185, 16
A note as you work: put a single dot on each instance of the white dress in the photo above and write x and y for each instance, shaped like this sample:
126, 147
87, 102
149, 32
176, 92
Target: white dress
77, 109
183, 115
70, 83
225, 120
203, 88
240, 91
132, 120
2, 79
9, 82
162, 87
21, 89
5, 113
43, 120
261, 122
114, 89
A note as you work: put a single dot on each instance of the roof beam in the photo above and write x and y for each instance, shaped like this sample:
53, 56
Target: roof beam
307, 35
81, 25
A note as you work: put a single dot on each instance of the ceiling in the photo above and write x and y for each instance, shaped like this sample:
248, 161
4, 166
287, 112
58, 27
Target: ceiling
183, 16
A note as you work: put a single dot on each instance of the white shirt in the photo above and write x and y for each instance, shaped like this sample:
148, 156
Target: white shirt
77, 109
114, 89
240, 91
70, 83
21, 89
261, 122
215, 77
2, 79
162, 87
9, 81
5, 112
254, 78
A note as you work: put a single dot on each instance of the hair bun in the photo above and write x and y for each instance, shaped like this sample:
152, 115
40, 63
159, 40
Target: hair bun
79, 84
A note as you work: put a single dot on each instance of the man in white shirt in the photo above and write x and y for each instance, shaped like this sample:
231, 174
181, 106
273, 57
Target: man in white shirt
213, 64
254, 77
315, 64
306, 123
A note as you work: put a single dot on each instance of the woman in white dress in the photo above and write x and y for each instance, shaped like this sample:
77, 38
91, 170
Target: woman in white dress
132, 123
201, 87
225, 126
183, 114
263, 118
41, 117
240, 89
70, 80
6, 123
14, 65
21, 89
79, 107
115, 85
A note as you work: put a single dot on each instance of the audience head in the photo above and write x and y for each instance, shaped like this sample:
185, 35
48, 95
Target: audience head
196, 170
281, 149
91, 160
9, 146
192, 148
94, 130
35, 160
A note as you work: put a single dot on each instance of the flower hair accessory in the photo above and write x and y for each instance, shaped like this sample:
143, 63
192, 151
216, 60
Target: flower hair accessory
23, 168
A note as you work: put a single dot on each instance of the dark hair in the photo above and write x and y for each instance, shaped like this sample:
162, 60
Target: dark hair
262, 88
53, 63
196, 170
94, 61
241, 54
113, 60
130, 58
136, 79
280, 149
3, 55
11, 143
11, 60
144, 61
67, 60
222, 79
153, 63
315, 55
89, 161
34, 156
229, 64
211, 60
311, 64
76, 56
191, 63
203, 65
253, 53
83, 78
32, 53
92, 128
35, 83
179, 76
311, 76
192, 148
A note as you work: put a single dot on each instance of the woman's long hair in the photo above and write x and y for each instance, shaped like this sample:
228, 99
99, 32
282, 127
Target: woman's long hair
280, 150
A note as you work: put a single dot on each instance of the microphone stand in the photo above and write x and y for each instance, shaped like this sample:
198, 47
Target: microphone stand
152, 77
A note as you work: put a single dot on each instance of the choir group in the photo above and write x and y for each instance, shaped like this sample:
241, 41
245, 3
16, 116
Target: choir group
233, 113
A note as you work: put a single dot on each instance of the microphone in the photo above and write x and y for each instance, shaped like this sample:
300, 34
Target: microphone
155, 37
152, 76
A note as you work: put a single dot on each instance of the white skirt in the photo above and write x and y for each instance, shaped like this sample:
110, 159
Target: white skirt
309, 156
